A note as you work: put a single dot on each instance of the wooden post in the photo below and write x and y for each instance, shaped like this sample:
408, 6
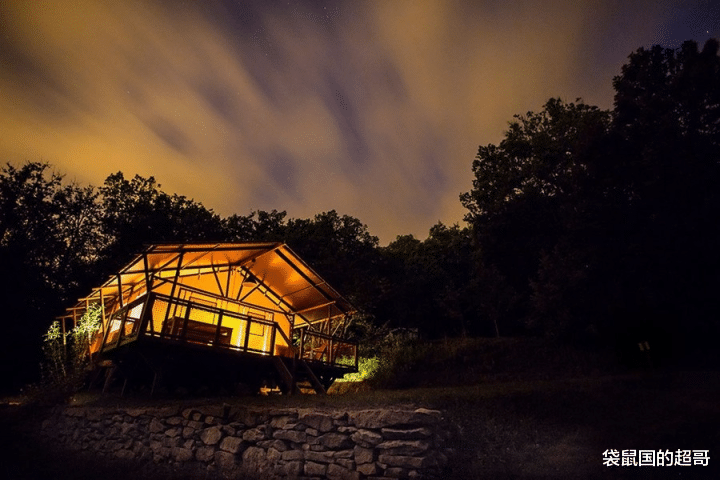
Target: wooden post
217, 331
302, 343
356, 356
183, 337
272, 339
62, 326
247, 334
144, 316
172, 290
121, 334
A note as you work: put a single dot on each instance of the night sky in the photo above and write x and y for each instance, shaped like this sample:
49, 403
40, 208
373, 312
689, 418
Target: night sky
374, 109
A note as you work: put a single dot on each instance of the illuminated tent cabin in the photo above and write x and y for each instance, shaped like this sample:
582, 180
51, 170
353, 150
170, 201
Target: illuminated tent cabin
231, 313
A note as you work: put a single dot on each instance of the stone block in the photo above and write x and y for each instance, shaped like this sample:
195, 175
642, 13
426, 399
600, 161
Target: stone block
182, 455
195, 425
392, 418
291, 455
211, 436
319, 421
253, 435
224, 460
254, 459
404, 447
396, 472
344, 454
337, 472
205, 454
273, 456
402, 461
346, 463
231, 444
172, 432
313, 469
419, 433
291, 469
281, 421
367, 468
335, 440
367, 437
278, 445
363, 455
156, 426
319, 457
174, 421
155, 446
294, 436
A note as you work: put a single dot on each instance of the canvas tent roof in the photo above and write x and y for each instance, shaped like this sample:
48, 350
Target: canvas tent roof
273, 267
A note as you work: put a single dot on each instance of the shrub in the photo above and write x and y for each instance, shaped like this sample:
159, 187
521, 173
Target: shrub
67, 357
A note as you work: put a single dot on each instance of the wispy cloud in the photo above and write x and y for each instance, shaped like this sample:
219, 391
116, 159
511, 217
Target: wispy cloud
374, 109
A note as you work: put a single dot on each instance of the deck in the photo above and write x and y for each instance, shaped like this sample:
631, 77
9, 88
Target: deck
177, 340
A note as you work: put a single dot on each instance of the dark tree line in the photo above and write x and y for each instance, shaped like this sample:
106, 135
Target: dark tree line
585, 225
604, 224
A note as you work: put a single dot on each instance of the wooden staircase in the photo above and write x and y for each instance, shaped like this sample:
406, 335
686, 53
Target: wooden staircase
297, 376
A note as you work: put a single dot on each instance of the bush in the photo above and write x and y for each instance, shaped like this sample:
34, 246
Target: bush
67, 357
398, 362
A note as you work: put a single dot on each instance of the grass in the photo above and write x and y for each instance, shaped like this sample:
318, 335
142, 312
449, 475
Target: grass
551, 419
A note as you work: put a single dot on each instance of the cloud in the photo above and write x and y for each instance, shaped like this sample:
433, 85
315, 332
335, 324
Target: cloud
374, 109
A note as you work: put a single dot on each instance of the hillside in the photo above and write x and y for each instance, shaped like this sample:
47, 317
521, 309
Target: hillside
551, 420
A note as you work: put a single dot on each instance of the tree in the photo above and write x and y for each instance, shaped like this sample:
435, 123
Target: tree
667, 110
49, 240
137, 213
604, 223
532, 191
428, 283
259, 226
342, 250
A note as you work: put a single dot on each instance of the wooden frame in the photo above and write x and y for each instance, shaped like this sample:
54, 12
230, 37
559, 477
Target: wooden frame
289, 303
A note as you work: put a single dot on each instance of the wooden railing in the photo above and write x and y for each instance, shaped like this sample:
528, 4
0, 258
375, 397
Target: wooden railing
178, 320
328, 349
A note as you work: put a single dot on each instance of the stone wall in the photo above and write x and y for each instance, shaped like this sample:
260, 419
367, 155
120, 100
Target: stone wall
263, 443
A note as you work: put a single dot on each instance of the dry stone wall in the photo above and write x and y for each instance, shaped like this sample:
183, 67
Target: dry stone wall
264, 443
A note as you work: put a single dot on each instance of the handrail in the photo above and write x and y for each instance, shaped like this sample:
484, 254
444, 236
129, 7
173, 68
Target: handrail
328, 349
186, 331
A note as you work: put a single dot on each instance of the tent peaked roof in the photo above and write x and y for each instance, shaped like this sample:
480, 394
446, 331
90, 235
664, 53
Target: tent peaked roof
273, 267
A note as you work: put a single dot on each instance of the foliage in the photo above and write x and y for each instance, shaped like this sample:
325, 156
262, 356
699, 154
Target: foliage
55, 368
82, 336
49, 242
367, 366
138, 212
64, 372
397, 361
428, 283
603, 224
